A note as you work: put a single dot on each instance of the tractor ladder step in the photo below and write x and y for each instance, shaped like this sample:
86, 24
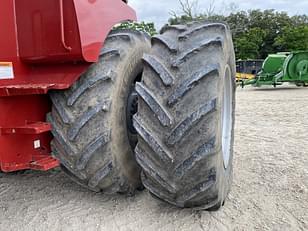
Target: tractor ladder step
44, 163
29, 128
29, 89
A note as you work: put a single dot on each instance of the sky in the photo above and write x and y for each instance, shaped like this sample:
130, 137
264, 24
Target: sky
158, 11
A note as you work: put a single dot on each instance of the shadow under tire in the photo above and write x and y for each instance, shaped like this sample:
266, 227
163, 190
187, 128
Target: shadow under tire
91, 137
185, 118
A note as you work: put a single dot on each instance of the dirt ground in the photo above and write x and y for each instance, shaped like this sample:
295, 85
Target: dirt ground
270, 190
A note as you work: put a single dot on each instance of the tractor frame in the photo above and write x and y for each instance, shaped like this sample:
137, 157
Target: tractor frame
45, 45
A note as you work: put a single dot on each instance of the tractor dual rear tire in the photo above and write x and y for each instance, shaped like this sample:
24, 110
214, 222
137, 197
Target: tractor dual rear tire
185, 118
89, 120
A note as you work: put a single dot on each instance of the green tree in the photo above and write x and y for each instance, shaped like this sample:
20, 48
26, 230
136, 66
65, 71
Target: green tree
142, 26
299, 20
247, 45
255, 33
292, 38
238, 22
272, 23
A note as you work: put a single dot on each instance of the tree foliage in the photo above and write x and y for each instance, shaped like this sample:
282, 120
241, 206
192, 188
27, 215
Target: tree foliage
255, 33
248, 45
293, 38
142, 26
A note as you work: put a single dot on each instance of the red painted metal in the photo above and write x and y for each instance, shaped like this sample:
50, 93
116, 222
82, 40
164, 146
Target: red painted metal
68, 48
26, 89
18, 133
50, 43
29, 128
43, 162
31, 38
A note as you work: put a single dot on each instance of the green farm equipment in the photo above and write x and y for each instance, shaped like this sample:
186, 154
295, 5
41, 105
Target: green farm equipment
291, 67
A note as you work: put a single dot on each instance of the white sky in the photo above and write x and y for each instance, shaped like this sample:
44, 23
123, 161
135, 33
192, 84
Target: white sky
158, 10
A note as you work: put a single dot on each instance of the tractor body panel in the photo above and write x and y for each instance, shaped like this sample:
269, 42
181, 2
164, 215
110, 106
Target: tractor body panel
50, 43
296, 67
273, 64
24, 136
45, 45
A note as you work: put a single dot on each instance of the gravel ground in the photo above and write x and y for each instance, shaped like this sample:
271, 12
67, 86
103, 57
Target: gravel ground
270, 190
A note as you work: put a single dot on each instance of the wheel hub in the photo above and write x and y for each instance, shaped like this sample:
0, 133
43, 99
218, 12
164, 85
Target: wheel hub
131, 110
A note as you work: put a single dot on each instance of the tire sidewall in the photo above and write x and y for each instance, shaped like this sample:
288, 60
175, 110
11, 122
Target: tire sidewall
130, 67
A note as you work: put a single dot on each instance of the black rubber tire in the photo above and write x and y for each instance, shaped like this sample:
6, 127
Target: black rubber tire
179, 115
89, 119
302, 84
299, 84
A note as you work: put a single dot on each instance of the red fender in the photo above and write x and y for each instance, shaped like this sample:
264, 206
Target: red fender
45, 44
50, 43
95, 19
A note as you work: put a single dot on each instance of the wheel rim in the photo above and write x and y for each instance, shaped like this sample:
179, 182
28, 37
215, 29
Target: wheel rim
227, 118
131, 110
132, 107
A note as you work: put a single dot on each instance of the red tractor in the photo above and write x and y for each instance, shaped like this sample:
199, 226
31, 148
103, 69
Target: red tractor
115, 108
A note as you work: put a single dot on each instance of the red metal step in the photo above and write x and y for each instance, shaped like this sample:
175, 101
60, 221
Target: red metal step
29, 129
30, 89
44, 163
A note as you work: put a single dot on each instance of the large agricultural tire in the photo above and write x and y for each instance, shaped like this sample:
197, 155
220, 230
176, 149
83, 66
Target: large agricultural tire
89, 120
185, 118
